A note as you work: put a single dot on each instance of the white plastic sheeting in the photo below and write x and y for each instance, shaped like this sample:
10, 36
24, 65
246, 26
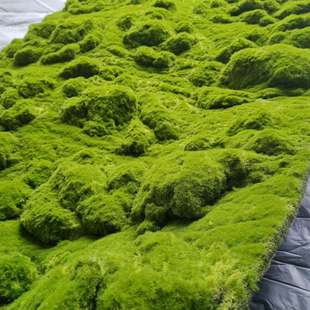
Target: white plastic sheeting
17, 15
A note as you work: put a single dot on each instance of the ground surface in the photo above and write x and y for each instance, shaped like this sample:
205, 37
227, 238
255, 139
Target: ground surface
152, 153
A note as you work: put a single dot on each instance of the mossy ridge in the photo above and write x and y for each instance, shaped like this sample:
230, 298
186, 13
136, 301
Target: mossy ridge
90, 168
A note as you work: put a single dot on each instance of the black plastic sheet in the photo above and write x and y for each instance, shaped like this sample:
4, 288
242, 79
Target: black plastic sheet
17, 15
286, 285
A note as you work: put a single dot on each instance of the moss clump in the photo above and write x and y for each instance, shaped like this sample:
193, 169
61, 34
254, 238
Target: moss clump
151, 33
294, 22
298, 38
164, 126
73, 183
9, 97
26, 56
207, 74
43, 30
257, 121
82, 66
125, 22
111, 105
250, 5
65, 54
180, 43
179, 187
148, 57
38, 173
137, 140
8, 144
214, 98
127, 177
259, 17
31, 87
184, 27
267, 141
199, 144
102, 215
15, 46
89, 43
236, 46
280, 66
13, 196
17, 116
47, 222
74, 87
17, 273
165, 4
71, 33
293, 8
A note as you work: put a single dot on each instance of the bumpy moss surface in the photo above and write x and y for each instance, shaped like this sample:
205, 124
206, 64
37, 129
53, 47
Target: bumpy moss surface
152, 152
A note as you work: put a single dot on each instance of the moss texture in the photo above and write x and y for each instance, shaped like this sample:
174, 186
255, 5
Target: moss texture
159, 157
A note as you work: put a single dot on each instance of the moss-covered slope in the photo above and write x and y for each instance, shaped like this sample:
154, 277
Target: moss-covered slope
152, 152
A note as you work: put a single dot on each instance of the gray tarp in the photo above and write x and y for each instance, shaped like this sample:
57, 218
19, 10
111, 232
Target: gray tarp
16, 15
286, 285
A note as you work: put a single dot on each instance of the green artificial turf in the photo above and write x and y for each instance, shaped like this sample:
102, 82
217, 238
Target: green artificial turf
152, 152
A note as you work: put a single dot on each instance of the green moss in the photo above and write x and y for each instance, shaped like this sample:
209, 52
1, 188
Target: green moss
147, 57
17, 116
47, 222
38, 173
165, 4
65, 54
259, 17
180, 43
74, 183
7, 146
13, 196
31, 87
82, 66
268, 141
9, 97
111, 105
102, 215
290, 8
294, 22
137, 140
43, 30
74, 87
71, 33
213, 98
250, 5
89, 43
181, 188
236, 46
151, 33
26, 56
154, 176
257, 121
17, 273
184, 27
277, 66
207, 74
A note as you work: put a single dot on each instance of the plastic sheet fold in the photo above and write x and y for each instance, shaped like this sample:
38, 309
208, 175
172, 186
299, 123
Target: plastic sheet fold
286, 285
17, 15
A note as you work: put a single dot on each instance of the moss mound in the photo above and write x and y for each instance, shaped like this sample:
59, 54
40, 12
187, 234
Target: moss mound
184, 195
276, 66
17, 274
150, 34
49, 223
